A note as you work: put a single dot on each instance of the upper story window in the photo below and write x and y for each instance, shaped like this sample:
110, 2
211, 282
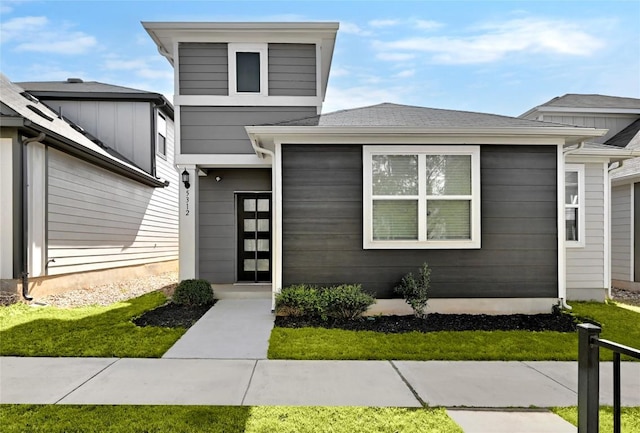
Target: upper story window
574, 205
248, 69
161, 141
421, 197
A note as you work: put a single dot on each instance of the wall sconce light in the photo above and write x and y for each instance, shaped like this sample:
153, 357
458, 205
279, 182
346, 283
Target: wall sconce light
218, 178
185, 179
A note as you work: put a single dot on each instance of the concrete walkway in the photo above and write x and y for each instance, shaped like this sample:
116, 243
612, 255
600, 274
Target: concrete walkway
221, 360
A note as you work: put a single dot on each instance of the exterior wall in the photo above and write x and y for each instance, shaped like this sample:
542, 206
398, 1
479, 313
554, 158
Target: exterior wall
99, 220
123, 126
203, 69
621, 232
220, 130
323, 225
292, 70
614, 123
586, 265
217, 215
6, 211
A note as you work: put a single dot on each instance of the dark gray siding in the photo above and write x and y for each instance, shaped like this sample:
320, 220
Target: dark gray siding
322, 227
203, 69
218, 219
292, 70
221, 129
636, 240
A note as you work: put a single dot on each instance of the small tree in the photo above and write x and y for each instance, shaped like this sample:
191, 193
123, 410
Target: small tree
416, 291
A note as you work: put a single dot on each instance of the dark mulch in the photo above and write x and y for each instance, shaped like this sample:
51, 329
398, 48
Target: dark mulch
172, 315
441, 322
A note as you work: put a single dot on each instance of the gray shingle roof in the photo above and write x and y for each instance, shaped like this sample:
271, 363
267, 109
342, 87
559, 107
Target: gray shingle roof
628, 134
77, 87
573, 100
395, 115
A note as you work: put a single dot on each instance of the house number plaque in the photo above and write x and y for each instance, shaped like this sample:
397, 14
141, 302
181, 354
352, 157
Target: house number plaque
187, 203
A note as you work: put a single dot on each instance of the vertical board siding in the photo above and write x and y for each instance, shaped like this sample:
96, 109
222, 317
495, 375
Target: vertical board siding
221, 129
621, 233
323, 226
292, 70
585, 265
203, 69
217, 215
99, 220
124, 126
612, 123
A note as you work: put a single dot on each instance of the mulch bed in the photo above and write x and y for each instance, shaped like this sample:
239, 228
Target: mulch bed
172, 315
441, 322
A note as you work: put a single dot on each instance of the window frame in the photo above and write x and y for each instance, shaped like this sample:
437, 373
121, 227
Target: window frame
474, 242
579, 169
159, 132
262, 49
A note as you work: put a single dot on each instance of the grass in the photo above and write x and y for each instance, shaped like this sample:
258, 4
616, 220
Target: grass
618, 324
86, 332
227, 419
629, 417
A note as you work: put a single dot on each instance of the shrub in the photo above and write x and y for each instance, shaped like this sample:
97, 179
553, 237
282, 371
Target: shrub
299, 300
346, 301
193, 292
416, 291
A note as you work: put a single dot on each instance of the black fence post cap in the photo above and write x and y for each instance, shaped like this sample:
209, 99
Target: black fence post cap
590, 328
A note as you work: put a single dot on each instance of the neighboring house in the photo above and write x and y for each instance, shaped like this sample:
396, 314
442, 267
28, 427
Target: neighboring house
89, 185
279, 194
609, 213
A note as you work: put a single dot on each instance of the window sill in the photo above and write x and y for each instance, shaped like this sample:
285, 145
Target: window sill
415, 245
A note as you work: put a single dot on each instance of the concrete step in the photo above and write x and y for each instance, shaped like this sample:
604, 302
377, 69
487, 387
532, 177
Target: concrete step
242, 291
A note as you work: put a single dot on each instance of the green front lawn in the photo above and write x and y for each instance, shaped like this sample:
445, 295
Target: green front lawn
227, 419
88, 331
629, 417
618, 324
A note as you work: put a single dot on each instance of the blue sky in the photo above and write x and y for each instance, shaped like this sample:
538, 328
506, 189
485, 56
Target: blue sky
499, 57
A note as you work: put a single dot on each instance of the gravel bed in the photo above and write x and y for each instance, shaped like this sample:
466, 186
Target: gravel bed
106, 294
626, 296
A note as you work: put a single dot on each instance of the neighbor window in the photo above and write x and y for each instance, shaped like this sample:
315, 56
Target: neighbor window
574, 205
421, 197
161, 143
247, 69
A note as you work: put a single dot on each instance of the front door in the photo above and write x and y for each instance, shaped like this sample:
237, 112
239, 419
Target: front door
254, 237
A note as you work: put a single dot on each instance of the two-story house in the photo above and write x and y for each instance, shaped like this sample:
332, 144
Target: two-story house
89, 185
606, 250
275, 192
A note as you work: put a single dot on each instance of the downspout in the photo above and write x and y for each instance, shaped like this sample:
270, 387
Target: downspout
261, 152
563, 292
24, 275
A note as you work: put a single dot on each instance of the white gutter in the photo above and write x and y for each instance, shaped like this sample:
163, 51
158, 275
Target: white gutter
275, 250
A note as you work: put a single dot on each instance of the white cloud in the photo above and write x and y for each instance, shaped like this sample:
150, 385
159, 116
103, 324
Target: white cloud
353, 29
384, 23
361, 96
142, 67
427, 24
395, 57
406, 73
37, 34
525, 35
339, 72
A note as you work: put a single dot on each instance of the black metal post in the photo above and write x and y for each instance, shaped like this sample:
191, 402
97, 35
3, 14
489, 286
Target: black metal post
616, 392
588, 378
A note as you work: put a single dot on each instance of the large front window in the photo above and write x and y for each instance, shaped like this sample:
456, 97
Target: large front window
421, 197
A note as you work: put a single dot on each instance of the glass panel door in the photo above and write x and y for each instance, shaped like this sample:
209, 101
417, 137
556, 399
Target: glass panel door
254, 237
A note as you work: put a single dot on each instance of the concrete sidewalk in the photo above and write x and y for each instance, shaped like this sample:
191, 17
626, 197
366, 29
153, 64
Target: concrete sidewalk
468, 384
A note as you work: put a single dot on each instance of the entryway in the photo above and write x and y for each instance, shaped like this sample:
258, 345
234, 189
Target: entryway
254, 236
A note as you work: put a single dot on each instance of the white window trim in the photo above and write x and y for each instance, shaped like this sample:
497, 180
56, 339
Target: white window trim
369, 243
263, 50
161, 130
577, 168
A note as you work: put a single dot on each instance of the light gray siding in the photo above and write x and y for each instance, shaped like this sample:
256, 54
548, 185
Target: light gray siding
99, 220
621, 232
585, 265
292, 70
122, 125
613, 123
221, 129
323, 227
203, 69
217, 214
